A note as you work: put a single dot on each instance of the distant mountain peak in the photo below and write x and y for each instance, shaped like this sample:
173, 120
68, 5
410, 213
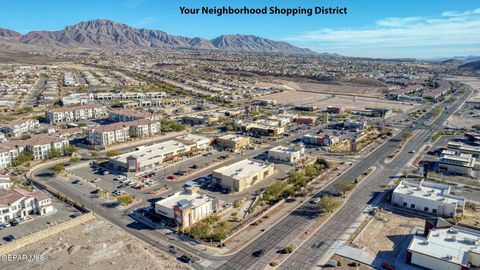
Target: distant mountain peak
105, 33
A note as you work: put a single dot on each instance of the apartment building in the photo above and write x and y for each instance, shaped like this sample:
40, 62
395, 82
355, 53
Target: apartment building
187, 207
126, 115
73, 114
41, 145
106, 135
19, 127
5, 182
243, 174
306, 120
16, 203
428, 197
143, 128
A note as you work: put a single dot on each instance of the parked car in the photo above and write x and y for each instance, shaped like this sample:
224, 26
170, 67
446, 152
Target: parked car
316, 200
171, 177
9, 238
106, 172
14, 222
95, 191
388, 266
76, 182
96, 180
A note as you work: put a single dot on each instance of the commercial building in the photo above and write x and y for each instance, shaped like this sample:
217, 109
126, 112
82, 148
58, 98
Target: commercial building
286, 154
464, 148
335, 109
147, 158
233, 142
306, 120
187, 207
243, 174
445, 246
428, 197
18, 204
452, 163
259, 128
78, 113
200, 119
321, 140
201, 142
19, 127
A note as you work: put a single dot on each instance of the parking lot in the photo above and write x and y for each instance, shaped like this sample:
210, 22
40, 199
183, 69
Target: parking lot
62, 213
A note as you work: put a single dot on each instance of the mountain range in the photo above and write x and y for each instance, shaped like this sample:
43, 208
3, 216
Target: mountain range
107, 34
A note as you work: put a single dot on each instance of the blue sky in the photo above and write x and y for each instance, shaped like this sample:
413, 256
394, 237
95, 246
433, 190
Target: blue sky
373, 28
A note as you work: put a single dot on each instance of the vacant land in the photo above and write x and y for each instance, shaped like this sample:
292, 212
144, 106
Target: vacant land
95, 245
349, 102
385, 235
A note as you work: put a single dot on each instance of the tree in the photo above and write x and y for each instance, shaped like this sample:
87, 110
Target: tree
344, 186
297, 179
57, 169
113, 153
287, 250
406, 135
327, 204
74, 159
23, 158
25, 137
274, 192
53, 153
476, 127
229, 127
95, 154
70, 150
125, 199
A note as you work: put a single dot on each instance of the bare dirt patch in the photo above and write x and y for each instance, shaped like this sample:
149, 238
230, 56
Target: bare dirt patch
95, 245
386, 233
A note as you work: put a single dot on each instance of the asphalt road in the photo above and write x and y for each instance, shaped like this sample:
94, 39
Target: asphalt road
285, 232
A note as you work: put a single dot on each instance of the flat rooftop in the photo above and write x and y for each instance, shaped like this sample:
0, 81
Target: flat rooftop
285, 149
232, 137
452, 244
428, 191
195, 199
152, 152
243, 168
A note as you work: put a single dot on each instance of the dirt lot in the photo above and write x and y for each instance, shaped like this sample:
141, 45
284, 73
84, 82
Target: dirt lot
95, 245
347, 264
387, 233
324, 100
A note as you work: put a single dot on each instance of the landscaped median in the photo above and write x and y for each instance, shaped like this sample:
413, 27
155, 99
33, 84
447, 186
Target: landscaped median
406, 136
328, 206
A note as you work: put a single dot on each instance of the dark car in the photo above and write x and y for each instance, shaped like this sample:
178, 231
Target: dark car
76, 182
195, 166
14, 222
258, 253
95, 191
387, 266
9, 238
185, 259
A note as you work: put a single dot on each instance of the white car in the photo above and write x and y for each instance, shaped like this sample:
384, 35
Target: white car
133, 183
96, 180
